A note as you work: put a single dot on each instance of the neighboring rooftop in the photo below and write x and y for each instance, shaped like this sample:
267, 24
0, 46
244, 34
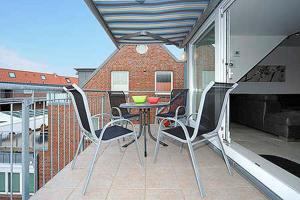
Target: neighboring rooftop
36, 78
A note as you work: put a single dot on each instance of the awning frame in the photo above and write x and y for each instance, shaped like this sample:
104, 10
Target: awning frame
202, 18
101, 20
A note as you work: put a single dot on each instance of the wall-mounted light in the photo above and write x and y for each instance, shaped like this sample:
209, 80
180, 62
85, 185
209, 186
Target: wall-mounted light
141, 49
183, 56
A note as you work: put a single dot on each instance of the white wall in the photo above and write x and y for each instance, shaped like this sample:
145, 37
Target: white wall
287, 56
252, 49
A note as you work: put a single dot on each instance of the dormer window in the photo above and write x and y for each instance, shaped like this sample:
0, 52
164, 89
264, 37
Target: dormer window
12, 75
43, 77
68, 80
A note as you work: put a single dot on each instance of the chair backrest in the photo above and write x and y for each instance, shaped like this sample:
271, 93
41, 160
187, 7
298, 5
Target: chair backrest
178, 98
82, 110
212, 106
115, 99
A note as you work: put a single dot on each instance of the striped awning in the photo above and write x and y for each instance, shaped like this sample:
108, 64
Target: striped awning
148, 21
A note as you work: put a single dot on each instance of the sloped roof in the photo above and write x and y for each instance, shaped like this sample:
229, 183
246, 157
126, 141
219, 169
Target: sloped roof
37, 78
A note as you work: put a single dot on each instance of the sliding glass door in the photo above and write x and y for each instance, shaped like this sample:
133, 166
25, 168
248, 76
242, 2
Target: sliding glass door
204, 63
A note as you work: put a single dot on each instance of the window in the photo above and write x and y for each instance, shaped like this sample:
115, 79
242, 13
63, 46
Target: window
120, 81
2, 181
204, 63
31, 183
68, 80
12, 75
163, 82
43, 77
27, 91
16, 182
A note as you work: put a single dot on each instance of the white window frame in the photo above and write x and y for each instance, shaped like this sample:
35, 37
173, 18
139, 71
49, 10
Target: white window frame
160, 92
27, 91
5, 167
111, 80
43, 77
5, 182
12, 75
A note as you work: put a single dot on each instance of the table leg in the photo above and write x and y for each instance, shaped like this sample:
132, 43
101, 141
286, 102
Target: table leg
149, 130
144, 131
140, 130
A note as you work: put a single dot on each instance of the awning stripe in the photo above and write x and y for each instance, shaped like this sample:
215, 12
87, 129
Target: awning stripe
147, 38
142, 21
151, 28
128, 13
165, 32
148, 3
165, 35
151, 21
150, 25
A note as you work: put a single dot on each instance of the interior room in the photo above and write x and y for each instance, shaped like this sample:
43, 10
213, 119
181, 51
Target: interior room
265, 61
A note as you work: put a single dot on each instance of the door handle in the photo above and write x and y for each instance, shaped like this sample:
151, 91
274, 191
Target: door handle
230, 73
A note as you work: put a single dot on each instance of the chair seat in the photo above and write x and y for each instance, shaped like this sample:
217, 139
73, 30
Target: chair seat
113, 132
168, 114
129, 116
179, 133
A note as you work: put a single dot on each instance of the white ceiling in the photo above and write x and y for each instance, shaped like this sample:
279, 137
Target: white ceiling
265, 17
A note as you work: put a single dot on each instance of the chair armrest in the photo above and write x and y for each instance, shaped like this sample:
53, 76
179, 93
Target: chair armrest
177, 122
101, 114
159, 110
177, 110
188, 118
118, 109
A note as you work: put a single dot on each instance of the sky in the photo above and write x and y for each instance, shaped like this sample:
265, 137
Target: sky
52, 36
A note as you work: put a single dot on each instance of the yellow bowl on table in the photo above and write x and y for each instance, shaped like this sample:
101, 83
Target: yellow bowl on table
139, 99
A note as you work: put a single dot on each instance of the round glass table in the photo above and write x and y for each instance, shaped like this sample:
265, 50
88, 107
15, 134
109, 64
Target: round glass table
144, 112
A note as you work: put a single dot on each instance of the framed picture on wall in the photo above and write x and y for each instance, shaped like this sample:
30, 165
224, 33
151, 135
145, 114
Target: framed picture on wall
265, 73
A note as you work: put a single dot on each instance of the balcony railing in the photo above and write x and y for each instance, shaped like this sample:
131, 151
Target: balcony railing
39, 135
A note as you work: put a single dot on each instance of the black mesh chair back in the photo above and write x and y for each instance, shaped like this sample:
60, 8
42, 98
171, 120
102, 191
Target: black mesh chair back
116, 98
82, 110
214, 102
178, 98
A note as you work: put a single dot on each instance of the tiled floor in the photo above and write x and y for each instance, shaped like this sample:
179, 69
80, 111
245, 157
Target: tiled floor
264, 143
119, 176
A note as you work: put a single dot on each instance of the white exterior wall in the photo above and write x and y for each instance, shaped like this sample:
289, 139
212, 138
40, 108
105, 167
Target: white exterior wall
252, 49
273, 177
287, 56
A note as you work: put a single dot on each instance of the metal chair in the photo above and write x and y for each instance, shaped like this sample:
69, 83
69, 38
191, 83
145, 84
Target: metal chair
177, 107
116, 98
209, 118
110, 132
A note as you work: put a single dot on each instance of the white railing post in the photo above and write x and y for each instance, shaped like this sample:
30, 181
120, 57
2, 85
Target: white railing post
102, 110
25, 149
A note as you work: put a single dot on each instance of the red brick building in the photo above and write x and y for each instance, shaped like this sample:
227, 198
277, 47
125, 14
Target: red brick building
127, 70
29, 78
64, 133
143, 69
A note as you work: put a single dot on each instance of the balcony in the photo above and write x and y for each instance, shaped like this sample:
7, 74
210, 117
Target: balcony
39, 136
118, 175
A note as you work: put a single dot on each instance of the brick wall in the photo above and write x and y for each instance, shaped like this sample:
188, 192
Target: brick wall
141, 68
64, 132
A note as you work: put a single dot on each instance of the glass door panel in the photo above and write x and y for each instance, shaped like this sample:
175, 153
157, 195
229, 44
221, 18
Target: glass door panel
204, 63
